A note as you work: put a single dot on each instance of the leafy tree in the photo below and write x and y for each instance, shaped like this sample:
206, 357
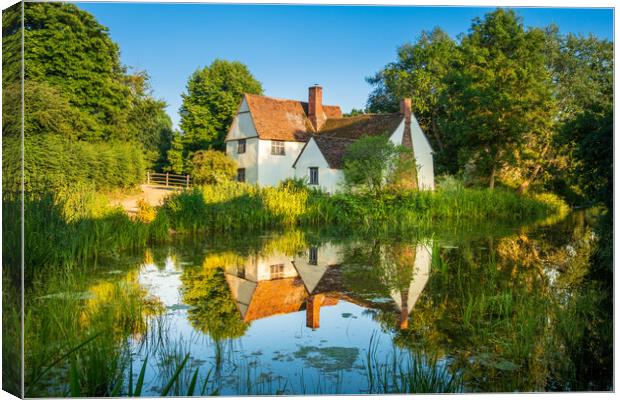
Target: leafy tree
212, 166
67, 48
501, 96
75, 85
213, 308
354, 112
149, 120
592, 133
46, 109
373, 162
212, 98
419, 74
174, 155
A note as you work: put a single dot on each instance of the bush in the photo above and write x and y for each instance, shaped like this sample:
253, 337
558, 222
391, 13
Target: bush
212, 167
374, 162
52, 162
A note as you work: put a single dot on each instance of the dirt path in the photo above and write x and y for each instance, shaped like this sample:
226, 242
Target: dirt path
152, 194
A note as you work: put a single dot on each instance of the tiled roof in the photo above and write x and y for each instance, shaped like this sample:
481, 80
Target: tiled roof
279, 119
280, 296
338, 133
359, 125
333, 149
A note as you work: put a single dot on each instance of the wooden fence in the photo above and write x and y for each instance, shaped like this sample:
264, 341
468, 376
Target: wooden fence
167, 179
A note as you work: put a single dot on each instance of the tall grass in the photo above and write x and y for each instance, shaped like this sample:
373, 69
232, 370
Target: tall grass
237, 207
408, 372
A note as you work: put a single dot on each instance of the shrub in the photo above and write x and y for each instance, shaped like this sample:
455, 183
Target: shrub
211, 167
52, 162
373, 162
146, 213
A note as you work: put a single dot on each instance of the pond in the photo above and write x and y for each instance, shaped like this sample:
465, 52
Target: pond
458, 309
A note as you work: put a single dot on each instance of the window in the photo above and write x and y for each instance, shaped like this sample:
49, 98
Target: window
277, 148
313, 255
241, 175
314, 176
276, 271
241, 146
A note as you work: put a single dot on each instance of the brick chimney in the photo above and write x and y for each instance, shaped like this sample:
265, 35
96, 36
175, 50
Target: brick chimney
315, 107
313, 310
405, 109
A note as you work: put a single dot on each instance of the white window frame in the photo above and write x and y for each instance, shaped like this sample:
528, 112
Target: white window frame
241, 144
310, 170
277, 148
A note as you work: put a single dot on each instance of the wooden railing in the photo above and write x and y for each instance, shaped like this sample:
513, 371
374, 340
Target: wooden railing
167, 179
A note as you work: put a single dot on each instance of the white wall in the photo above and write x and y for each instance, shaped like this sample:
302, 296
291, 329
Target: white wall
273, 168
422, 152
423, 155
330, 180
247, 160
242, 127
419, 277
327, 254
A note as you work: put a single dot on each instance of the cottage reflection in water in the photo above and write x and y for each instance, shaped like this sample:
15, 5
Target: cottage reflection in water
264, 286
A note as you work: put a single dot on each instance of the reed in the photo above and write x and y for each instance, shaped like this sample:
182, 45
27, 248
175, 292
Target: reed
235, 207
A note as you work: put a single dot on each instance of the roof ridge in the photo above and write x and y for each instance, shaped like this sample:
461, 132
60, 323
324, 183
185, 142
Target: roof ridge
281, 99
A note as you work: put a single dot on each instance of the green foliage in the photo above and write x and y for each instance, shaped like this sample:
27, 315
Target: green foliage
419, 74
174, 155
373, 162
238, 207
500, 94
591, 132
213, 309
212, 98
501, 102
75, 85
52, 162
212, 167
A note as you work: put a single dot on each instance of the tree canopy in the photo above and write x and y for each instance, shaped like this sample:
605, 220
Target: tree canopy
77, 89
211, 101
504, 102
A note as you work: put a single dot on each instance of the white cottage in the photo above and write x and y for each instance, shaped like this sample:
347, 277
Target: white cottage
274, 139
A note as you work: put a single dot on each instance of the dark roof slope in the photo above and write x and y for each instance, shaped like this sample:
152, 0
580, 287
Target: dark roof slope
333, 149
359, 125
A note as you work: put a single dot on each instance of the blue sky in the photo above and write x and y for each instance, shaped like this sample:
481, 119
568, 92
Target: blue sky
288, 48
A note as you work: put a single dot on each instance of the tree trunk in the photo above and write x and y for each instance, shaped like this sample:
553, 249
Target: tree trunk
526, 183
492, 177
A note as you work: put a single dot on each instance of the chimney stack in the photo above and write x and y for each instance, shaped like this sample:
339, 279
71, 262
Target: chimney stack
315, 107
405, 109
313, 310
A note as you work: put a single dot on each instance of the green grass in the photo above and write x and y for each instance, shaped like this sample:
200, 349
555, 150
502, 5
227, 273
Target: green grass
236, 207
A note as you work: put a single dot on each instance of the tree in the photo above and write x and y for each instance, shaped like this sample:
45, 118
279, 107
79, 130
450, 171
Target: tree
174, 155
212, 167
69, 51
419, 74
213, 308
592, 133
212, 98
46, 110
373, 162
500, 90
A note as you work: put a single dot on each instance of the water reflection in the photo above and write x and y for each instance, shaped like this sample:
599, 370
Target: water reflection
286, 280
502, 313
